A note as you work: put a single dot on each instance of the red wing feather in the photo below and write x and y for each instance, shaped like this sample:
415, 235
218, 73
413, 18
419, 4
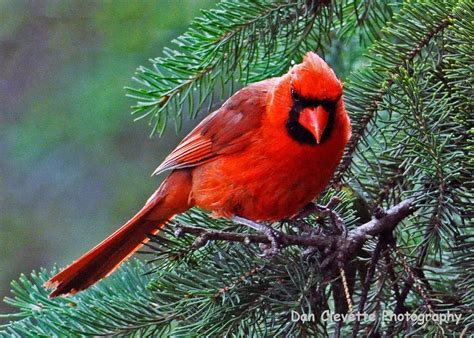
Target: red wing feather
193, 150
228, 130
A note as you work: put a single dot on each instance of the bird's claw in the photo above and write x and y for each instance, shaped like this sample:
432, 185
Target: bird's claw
273, 236
275, 240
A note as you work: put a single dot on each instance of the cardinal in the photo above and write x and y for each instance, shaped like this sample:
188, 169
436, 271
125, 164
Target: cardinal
264, 155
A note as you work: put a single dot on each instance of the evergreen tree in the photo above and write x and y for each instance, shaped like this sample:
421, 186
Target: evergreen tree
404, 187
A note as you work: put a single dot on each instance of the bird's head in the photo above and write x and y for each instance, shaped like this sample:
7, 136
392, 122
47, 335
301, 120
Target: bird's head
309, 96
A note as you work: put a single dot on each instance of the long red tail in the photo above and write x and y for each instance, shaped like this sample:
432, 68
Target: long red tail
171, 198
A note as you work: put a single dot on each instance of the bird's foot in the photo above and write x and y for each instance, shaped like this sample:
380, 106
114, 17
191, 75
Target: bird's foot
326, 210
275, 237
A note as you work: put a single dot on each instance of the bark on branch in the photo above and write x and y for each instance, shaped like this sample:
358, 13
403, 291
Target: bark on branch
344, 245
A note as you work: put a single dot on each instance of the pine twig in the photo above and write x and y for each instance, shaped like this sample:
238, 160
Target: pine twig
368, 280
370, 110
341, 247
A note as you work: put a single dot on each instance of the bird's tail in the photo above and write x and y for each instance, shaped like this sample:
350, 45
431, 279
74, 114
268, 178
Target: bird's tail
171, 198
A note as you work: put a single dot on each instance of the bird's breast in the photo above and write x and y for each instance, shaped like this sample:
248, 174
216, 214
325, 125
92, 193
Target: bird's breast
267, 181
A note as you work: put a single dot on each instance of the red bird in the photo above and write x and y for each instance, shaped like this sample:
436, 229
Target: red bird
263, 156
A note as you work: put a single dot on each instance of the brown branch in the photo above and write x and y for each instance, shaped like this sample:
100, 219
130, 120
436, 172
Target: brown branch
345, 245
376, 227
204, 235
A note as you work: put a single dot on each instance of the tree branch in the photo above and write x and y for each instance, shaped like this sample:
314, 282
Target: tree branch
345, 245
204, 235
377, 226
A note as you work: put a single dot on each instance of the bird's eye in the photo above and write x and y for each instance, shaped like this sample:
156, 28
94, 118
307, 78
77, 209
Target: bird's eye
294, 95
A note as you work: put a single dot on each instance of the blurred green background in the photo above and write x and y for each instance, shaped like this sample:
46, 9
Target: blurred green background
73, 165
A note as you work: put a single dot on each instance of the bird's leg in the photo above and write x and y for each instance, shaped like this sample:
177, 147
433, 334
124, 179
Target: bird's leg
326, 210
274, 236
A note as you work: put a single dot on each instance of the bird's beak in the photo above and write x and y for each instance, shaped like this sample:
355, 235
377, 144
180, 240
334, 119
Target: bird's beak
315, 120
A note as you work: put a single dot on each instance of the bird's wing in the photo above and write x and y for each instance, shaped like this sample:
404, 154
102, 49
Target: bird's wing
228, 130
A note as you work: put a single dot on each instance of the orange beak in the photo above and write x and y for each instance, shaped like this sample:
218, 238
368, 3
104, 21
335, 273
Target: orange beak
315, 120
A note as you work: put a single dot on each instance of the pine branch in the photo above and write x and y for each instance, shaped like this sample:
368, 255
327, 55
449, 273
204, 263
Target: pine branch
381, 244
346, 246
382, 75
120, 306
367, 18
235, 41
